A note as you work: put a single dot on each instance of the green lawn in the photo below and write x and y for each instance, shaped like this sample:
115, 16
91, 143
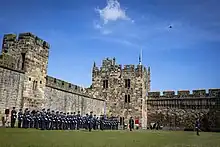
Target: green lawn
37, 138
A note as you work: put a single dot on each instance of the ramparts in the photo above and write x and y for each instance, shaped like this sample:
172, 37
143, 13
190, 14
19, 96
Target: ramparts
24, 36
110, 65
184, 94
67, 87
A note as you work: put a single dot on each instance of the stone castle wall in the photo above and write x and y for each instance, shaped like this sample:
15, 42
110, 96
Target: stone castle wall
25, 84
11, 86
182, 109
66, 97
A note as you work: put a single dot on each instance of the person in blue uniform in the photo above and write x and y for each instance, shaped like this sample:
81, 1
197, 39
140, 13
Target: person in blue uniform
197, 126
60, 121
20, 118
94, 122
57, 120
53, 120
78, 120
74, 120
90, 121
43, 119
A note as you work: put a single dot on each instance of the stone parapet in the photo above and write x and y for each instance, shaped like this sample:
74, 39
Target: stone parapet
185, 94
67, 87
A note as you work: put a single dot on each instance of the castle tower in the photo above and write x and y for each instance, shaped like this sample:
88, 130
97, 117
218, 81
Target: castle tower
124, 89
31, 54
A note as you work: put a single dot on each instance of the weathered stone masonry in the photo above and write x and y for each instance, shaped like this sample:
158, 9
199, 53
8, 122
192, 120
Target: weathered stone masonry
123, 88
24, 82
181, 110
115, 90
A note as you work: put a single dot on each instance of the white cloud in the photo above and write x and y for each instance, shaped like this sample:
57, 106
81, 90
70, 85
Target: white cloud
112, 12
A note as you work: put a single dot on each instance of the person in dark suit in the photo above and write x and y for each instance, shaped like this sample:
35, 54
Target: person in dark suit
131, 123
13, 117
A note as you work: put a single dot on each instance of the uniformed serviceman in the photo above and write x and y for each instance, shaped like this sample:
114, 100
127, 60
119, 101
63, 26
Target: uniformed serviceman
102, 122
20, 118
60, 121
13, 117
90, 121
43, 119
74, 120
64, 121
53, 120
78, 120
32, 119
24, 118
47, 119
68, 117
94, 122
28, 117
131, 123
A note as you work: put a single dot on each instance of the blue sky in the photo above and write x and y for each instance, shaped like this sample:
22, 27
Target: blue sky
81, 32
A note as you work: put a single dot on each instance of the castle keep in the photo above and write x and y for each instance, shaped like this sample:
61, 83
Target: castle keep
116, 90
123, 88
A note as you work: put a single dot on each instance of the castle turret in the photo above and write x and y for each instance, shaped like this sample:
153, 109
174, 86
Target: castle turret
123, 89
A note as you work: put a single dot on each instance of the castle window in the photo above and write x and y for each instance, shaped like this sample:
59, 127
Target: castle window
34, 85
22, 60
69, 85
75, 87
40, 82
62, 83
127, 83
129, 100
29, 79
55, 80
126, 98
105, 84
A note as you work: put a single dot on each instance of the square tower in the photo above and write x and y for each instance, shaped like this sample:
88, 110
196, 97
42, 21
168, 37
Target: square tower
123, 88
31, 55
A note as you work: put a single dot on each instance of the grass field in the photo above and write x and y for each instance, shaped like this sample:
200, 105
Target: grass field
37, 138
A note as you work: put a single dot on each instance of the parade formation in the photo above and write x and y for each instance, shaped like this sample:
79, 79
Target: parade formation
51, 120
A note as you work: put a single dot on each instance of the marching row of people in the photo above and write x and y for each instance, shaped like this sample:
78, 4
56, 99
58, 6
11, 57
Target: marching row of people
51, 120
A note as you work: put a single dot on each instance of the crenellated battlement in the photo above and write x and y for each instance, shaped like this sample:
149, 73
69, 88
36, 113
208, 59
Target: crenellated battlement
63, 85
109, 65
24, 36
128, 68
185, 93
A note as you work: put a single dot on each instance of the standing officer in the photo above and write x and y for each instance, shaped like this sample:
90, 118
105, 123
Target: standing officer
131, 123
78, 120
43, 119
13, 117
60, 120
94, 122
20, 118
197, 125
74, 120
101, 123
90, 121
24, 122
57, 120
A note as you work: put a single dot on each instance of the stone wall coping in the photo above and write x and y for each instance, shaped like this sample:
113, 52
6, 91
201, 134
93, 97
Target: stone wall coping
185, 93
179, 98
66, 87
